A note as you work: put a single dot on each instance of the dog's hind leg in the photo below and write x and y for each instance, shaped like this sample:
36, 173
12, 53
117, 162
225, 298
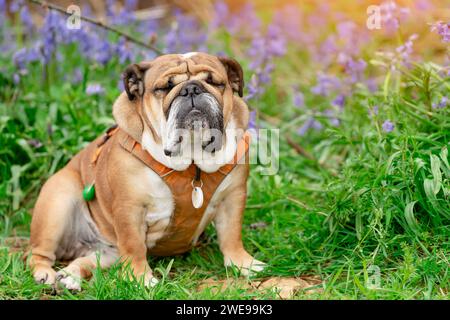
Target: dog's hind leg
82, 267
52, 216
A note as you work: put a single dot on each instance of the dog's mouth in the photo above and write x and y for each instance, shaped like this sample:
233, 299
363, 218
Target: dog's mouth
198, 118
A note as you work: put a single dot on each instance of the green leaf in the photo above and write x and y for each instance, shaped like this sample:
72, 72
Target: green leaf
444, 158
436, 172
386, 85
358, 225
410, 219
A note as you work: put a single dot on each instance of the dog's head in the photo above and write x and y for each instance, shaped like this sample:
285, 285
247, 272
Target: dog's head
177, 94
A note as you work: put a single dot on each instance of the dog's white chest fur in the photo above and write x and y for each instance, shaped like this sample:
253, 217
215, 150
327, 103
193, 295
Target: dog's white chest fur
159, 206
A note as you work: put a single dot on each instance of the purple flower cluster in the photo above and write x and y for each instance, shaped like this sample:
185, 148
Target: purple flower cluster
92, 41
241, 23
402, 54
355, 69
392, 15
326, 84
404, 51
298, 99
26, 19
263, 50
343, 45
441, 104
310, 123
185, 35
442, 29
94, 89
124, 16
388, 126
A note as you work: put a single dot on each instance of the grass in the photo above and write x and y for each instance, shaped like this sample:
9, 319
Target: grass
365, 200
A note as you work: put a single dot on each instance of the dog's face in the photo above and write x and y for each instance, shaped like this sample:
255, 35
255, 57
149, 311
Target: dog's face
184, 94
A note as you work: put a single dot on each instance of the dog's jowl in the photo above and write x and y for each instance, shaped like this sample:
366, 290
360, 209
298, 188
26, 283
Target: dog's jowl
176, 160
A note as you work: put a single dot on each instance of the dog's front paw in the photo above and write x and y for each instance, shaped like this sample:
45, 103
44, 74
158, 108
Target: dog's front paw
150, 281
145, 277
247, 265
70, 278
44, 275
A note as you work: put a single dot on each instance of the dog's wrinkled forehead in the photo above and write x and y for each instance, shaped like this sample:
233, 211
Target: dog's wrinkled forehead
183, 67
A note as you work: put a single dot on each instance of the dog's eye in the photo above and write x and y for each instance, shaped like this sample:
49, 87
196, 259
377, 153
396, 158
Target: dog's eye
211, 81
165, 88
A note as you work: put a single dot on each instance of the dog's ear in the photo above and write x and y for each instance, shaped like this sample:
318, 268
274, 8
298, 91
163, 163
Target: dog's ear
133, 79
235, 74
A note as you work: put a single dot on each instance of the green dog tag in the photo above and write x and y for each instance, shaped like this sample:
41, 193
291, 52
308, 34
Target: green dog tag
89, 192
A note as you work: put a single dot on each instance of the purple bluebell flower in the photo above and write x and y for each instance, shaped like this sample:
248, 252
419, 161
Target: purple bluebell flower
2, 6
289, 19
130, 5
52, 27
185, 34
339, 101
264, 75
220, 14
275, 41
123, 52
264, 48
441, 104
392, 15
15, 5
310, 123
326, 84
149, 29
442, 29
26, 19
124, 16
355, 69
77, 76
120, 85
103, 51
20, 58
331, 115
254, 88
423, 5
94, 89
16, 78
241, 23
372, 112
372, 84
388, 126
256, 52
252, 120
404, 51
298, 99
24, 56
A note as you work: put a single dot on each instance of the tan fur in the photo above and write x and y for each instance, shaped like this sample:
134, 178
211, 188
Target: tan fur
135, 213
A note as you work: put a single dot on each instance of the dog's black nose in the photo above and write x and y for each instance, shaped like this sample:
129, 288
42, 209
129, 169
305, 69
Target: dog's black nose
192, 89
167, 152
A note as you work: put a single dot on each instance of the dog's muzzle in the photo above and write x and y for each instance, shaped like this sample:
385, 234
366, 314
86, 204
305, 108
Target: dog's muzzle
198, 108
195, 110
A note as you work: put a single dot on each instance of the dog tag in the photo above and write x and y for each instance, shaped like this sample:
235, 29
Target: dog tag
197, 197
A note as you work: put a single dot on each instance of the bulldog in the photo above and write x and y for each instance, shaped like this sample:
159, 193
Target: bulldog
175, 162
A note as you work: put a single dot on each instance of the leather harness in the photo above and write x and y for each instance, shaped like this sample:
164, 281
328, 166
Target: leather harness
185, 219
